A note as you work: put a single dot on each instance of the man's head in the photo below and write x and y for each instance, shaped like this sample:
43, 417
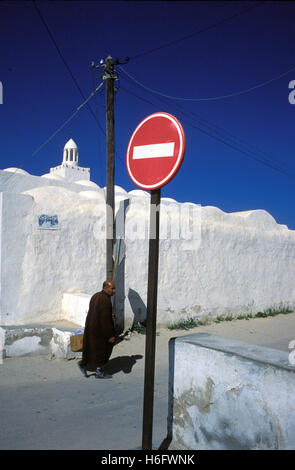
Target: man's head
109, 287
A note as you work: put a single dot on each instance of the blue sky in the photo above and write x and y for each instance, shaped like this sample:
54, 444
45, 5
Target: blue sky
239, 153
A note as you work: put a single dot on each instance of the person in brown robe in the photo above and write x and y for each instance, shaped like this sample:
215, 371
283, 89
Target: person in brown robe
99, 332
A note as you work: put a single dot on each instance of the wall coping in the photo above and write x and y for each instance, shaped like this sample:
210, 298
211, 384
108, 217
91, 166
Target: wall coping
253, 352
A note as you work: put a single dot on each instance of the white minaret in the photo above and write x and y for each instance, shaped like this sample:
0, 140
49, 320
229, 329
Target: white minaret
70, 155
70, 169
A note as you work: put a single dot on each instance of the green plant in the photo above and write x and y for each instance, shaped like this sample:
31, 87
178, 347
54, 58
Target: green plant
261, 315
191, 322
139, 328
244, 317
229, 317
186, 324
272, 312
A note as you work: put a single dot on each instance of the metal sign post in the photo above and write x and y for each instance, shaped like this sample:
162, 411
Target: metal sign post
150, 343
154, 155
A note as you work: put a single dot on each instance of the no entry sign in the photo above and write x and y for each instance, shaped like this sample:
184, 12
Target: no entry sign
155, 151
154, 155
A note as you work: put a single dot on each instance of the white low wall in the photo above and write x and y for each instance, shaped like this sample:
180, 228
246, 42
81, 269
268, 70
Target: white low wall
30, 341
75, 307
230, 395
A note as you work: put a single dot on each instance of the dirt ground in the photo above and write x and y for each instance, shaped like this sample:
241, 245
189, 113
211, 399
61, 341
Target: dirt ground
48, 404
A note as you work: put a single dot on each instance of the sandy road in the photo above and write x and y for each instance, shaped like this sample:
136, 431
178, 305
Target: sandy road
48, 404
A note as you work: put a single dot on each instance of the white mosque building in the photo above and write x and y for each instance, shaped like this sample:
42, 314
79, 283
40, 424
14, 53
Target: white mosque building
52, 258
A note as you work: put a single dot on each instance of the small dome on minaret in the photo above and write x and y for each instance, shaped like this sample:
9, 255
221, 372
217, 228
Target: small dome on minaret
70, 154
70, 169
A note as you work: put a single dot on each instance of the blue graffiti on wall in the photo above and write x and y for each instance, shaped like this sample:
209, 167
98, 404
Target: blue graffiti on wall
48, 221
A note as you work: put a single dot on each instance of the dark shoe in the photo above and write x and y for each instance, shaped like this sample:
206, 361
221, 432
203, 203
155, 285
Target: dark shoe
82, 369
99, 374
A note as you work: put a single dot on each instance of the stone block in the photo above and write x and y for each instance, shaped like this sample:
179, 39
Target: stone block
230, 395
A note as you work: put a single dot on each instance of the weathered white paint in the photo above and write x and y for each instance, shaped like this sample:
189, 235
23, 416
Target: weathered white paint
230, 395
231, 264
2, 342
29, 341
211, 262
60, 345
75, 307
28, 345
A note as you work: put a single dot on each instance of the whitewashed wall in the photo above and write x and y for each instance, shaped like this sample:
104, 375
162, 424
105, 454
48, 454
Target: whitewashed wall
38, 266
229, 395
234, 264
211, 262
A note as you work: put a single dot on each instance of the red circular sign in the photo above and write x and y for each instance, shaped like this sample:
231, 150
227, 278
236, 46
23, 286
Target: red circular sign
155, 151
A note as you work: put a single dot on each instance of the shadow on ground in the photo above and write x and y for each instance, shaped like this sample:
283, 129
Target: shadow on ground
121, 364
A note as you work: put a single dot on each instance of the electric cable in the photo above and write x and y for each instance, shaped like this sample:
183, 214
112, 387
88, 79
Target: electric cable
232, 144
64, 61
195, 33
57, 131
99, 143
229, 135
222, 131
230, 95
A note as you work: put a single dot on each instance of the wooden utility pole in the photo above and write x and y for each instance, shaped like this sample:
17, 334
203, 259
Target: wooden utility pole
110, 165
108, 75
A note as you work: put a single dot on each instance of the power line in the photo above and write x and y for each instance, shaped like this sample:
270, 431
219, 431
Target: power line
207, 99
57, 131
207, 28
229, 142
229, 135
232, 137
99, 143
65, 62
247, 153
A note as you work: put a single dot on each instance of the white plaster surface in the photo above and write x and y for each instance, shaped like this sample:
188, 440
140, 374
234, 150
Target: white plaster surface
230, 395
25, 346
60, 344
40, 265
233, 265
75, 307
211, 263
46, 340
2, 342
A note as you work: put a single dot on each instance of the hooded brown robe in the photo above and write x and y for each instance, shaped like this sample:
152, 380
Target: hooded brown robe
99, 328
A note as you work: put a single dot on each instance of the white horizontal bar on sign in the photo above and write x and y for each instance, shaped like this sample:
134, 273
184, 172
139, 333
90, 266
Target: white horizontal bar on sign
153, 151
